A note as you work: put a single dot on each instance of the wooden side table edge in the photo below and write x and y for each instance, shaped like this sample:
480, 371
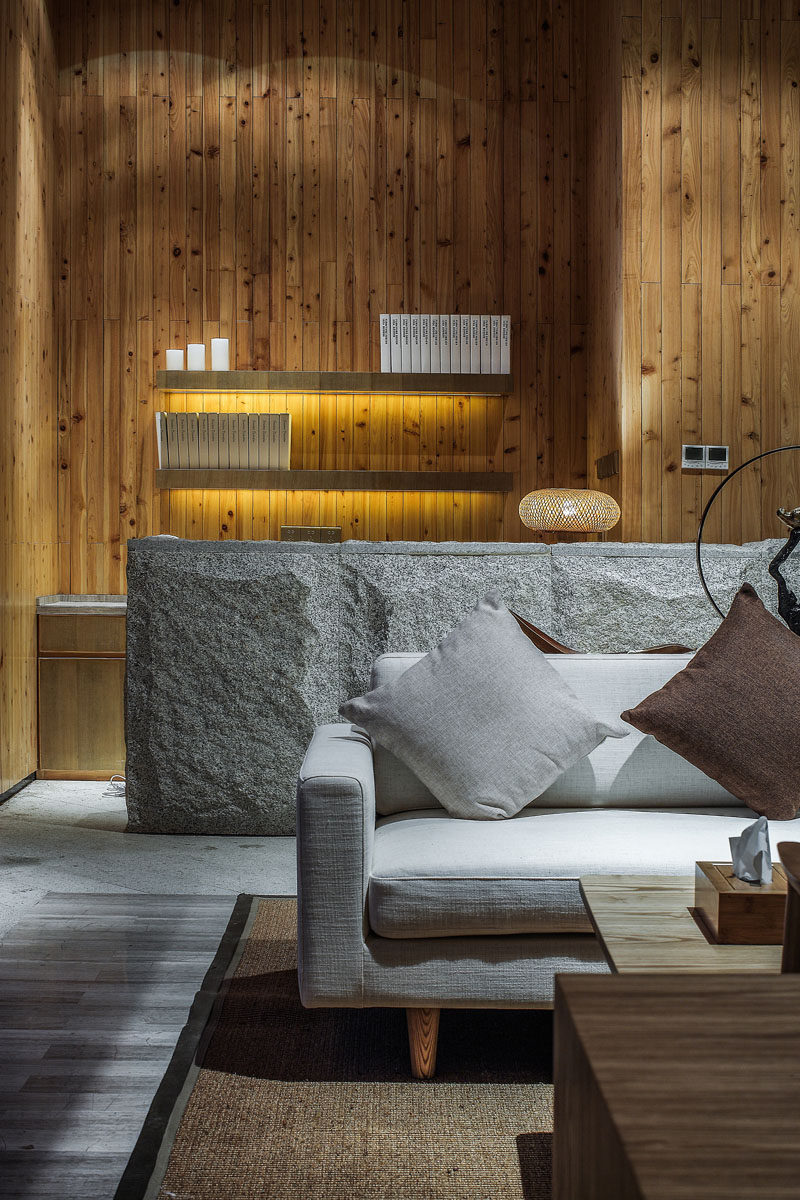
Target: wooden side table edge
589, 1159
596, 928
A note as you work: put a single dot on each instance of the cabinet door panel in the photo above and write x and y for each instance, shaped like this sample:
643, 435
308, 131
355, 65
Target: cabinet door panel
81, 715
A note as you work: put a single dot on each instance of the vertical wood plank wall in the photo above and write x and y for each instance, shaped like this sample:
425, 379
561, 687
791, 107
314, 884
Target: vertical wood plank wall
604, 232
280, 174
711, 260
28, 471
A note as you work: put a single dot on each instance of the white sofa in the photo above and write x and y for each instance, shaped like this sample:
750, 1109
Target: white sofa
402, 905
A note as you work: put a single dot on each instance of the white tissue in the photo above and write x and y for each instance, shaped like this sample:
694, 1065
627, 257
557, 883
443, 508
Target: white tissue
750, 853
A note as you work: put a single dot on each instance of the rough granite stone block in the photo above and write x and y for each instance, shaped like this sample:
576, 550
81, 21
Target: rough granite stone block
613, 597
408, 595
231, 662
236, 650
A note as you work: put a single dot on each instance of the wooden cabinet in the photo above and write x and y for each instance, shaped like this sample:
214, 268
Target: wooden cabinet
671, 1086
81, 692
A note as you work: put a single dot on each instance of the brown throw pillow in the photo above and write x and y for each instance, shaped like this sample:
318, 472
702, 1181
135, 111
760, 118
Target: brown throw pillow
733, 710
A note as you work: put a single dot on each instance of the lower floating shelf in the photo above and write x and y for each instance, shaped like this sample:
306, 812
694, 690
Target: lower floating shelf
336, 481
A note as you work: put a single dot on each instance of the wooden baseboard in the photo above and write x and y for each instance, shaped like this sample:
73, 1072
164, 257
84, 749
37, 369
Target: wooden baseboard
97, 776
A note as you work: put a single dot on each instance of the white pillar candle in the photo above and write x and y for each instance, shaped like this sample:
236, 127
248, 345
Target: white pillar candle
196, 356
174, 360
220, 355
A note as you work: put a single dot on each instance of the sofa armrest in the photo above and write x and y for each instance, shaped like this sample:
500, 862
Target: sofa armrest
335, 833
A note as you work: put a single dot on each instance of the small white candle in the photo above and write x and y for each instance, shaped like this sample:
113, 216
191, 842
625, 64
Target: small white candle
220, 354
174, 360
196, 356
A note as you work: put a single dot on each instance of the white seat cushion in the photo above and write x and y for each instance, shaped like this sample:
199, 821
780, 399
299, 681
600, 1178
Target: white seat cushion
437, 876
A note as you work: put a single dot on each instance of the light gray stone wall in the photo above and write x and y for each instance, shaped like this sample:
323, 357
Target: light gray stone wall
409, 595
612, 597
231, 662
236, 650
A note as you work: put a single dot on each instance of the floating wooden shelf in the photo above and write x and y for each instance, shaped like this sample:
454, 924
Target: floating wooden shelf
337, 481
334, 381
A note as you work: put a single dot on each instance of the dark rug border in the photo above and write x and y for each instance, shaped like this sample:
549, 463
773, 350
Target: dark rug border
202, 1017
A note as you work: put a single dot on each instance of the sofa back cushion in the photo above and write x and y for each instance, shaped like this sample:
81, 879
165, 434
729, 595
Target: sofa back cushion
634, 772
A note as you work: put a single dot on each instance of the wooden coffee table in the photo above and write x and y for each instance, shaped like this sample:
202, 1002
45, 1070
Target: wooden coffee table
645, 923
673, 1086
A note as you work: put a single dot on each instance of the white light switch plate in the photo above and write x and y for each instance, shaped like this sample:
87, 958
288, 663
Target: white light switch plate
704, 458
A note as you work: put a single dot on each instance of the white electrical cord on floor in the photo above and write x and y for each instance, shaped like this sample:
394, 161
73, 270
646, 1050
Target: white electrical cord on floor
116, 786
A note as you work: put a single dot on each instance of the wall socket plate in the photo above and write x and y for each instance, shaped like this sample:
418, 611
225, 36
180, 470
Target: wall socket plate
324, 534
607, 465
693, 458
716, 458
704, 458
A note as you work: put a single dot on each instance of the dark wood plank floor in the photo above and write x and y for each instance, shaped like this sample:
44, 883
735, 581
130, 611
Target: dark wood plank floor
94, 991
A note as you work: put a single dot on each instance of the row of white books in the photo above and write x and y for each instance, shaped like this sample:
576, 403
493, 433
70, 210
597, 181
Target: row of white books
224, 440
454, 344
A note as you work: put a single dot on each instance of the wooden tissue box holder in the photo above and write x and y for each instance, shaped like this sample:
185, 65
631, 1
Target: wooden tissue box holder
739, 913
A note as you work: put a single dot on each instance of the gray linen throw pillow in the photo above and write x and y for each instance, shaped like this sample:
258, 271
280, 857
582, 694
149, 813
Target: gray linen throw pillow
483, 720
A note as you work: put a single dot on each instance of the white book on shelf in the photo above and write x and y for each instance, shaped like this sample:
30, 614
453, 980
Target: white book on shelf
436, 350
444, 344
173, 441
425, 343
244, 440
285, 441
254, 441
274, 441
224, 428
232, 421
486, 344
466, 357
161, 440
386, 343
213, 440
405, 342
193, 431
494, 354
394, 342
264, 462
455, 344
475, 344
202, 455
416, 343
505, 345
183, 440
193, 428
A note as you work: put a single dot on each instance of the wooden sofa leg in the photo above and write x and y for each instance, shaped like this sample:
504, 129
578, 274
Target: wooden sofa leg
423, 1033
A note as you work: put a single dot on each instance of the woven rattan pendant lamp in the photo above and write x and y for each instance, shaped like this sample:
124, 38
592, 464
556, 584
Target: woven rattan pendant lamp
569, 510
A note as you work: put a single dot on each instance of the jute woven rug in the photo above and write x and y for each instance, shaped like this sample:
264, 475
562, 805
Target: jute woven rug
281, 1103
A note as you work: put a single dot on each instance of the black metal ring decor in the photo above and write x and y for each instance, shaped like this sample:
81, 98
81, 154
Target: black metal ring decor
788, 604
